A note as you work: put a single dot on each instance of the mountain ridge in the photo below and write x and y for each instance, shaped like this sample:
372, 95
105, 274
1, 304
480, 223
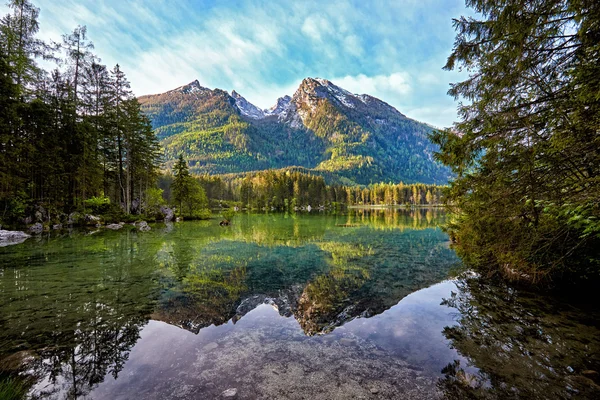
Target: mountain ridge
321, 127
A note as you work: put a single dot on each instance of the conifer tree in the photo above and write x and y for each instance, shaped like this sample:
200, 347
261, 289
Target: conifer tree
526, 152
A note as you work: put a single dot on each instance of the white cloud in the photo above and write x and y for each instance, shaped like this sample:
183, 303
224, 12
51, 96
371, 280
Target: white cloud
316, 27
263, 49
352, 45
440, 116
396, 84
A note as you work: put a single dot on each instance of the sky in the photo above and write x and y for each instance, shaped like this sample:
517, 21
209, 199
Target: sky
393, 50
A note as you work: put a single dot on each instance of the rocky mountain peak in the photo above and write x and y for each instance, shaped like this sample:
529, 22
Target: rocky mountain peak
246, 108
281, 105
190, 88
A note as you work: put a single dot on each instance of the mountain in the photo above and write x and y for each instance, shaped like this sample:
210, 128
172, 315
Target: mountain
322, 127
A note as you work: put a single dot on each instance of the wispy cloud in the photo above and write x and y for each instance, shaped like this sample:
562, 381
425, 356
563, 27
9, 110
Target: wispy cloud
263, 49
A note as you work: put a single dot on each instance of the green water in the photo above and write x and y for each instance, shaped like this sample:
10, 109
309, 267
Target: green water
279, 306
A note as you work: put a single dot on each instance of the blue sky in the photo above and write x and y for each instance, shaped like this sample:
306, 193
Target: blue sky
394, 50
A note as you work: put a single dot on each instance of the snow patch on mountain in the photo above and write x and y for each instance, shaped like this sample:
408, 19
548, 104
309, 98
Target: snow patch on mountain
344, 96
191, 88
246, 108
281, 107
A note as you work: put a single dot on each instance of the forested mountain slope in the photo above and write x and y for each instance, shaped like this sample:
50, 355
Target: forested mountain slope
322, 127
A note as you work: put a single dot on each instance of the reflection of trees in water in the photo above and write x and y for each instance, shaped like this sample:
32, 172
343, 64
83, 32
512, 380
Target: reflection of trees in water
330, 297
324, 280
397, 218
204, 297
79, 320
76, 305
370, 272
525, 345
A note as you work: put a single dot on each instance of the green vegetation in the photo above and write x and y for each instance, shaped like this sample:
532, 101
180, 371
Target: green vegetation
70, 139
12, 389
527, 152
372, 143
188, 194
294, 189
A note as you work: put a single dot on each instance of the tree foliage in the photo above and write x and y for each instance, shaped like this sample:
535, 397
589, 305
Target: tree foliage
295, 189
187, 192
526, 152
369, 143
70, 134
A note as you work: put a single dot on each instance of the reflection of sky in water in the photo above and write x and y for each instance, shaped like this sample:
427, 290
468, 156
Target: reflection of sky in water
352, 313
411, 331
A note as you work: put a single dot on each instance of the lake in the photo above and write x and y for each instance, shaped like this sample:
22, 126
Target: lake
307, 306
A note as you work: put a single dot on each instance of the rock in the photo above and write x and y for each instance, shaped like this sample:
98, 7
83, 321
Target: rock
229, 393
374, 390
135, 206
168, 213
91, 219
224, 223
36, 228
143, 226
8, 238
40, 214
210, 346
114, 227
57, 226
74, 218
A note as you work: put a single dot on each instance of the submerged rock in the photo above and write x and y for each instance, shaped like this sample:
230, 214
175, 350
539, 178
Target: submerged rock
36, 228
229, 393
143, 226
57, 227
8, 238
114, 227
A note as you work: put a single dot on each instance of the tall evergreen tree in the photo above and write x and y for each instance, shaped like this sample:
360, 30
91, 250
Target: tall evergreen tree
527, 150
19, 44
188, 193
69, 135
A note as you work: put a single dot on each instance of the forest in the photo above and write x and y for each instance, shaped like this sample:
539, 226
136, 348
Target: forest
293, 190
72, 135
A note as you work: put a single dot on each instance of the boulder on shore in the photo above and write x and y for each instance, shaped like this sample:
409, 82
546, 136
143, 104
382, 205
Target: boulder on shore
40, 214
8, 238
143, 226
92, 220
168, 213
74, 218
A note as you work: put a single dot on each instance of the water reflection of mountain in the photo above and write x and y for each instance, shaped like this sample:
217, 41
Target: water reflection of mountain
323, 283
73, 305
